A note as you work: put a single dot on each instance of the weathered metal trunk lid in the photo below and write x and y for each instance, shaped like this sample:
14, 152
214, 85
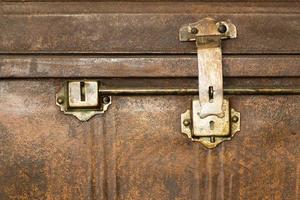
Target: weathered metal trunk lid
136, 150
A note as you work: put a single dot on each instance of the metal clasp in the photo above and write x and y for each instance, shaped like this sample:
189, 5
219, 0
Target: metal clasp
208, 121
82, 99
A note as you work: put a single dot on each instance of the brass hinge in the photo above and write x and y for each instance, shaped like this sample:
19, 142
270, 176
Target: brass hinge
210, 119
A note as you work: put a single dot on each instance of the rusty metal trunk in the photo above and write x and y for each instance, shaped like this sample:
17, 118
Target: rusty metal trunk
136, 150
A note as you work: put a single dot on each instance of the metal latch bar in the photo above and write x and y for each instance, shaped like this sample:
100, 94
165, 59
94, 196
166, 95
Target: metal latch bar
207, 33
105, 92
123, 91
210, 114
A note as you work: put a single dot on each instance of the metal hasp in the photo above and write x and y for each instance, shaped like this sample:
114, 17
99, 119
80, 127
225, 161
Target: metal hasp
82, 99
210, 119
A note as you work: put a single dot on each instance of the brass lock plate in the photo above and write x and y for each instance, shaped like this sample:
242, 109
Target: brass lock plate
83, 94
82, 99
210, 130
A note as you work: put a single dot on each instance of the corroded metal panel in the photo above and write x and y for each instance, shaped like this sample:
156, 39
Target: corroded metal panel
137, 151
143, 27
133, 66
43, 155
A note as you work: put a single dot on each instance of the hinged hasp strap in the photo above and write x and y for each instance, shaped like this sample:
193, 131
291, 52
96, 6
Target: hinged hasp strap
208, 34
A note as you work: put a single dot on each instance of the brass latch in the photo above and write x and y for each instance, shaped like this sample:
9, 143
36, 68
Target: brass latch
210, 119
82, 99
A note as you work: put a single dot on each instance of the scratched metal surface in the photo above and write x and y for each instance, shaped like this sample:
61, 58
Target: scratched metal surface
32, 66
143, 27
136, 151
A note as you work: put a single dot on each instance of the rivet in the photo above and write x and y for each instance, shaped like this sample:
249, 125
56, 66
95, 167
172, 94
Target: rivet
106, 99
194, 30
60, 100
222, 28
235, 119
186, 122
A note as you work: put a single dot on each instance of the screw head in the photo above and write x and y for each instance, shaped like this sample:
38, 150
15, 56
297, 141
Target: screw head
222, 28
60, 100
186, 122
106, 99
194, 30
235, 119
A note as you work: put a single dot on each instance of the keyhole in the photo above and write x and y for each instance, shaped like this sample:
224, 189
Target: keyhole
82, 91
211, 125
211, 93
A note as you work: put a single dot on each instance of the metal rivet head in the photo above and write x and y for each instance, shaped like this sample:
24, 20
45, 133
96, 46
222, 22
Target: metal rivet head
60, 100
235, 119
186, 122
222, 28
106, 100
194, 30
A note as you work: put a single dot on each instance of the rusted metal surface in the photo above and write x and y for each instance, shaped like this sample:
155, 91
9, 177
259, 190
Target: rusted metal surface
136, 150
144, 66
188, 1
122, 156
150, 7
43, 155
259, 168
100, 28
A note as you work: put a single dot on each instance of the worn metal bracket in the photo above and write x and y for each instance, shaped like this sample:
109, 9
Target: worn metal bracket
210, 112
82, 99
211, 130
208, 34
